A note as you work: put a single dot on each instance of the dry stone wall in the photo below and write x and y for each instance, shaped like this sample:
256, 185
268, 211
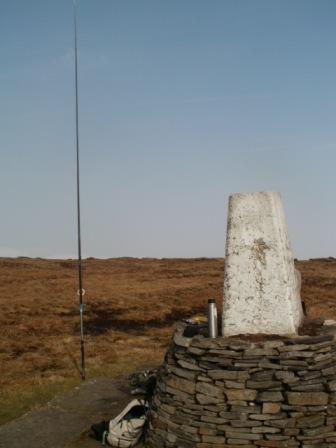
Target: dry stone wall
231, 392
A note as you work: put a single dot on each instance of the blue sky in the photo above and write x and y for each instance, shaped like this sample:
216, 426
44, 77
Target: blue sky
182, 103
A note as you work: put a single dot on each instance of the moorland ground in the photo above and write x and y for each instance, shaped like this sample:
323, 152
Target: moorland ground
130, 309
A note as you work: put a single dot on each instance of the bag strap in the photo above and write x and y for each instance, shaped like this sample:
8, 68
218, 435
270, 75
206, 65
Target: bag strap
116, 420
105, 434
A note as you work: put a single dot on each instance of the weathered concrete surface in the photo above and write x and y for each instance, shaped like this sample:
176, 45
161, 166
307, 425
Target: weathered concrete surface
261, 288
64, 421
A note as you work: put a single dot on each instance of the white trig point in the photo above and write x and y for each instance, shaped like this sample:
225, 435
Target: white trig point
261, 285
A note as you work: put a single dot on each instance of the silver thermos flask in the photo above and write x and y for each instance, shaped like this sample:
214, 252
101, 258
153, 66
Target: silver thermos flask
212, 319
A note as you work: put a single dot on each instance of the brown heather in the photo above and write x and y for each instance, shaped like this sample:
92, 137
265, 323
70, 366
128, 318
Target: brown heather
131, 306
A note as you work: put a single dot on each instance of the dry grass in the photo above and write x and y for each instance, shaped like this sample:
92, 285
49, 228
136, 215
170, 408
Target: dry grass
131, 305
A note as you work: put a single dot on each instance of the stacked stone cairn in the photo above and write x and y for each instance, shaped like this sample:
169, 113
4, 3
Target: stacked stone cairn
233, 392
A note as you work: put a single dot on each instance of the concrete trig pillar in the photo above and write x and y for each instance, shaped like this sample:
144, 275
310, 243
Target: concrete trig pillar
261, 287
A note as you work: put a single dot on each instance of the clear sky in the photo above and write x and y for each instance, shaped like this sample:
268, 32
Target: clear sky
182, 102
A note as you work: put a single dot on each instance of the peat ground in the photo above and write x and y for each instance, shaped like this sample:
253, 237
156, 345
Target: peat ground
130, 308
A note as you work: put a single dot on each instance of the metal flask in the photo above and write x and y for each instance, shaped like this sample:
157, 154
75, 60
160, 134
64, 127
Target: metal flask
212, 319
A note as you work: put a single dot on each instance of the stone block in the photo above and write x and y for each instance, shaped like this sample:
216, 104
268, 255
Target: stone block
208, 399
263, 384
242, 435
271, 408
307, 398
213, 439
228, 375
277, 443
180, 340
181, 384
310, 421
209, 389
240, 394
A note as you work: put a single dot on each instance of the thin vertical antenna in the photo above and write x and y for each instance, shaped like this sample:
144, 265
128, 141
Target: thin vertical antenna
80, 277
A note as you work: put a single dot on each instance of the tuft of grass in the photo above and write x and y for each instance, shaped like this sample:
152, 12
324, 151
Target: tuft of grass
19, 400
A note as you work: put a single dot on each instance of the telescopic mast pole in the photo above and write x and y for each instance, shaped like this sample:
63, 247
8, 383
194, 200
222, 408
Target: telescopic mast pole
80, 277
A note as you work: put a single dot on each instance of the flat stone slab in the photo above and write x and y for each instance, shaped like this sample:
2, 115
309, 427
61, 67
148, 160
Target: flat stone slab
65, 421
261, 285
